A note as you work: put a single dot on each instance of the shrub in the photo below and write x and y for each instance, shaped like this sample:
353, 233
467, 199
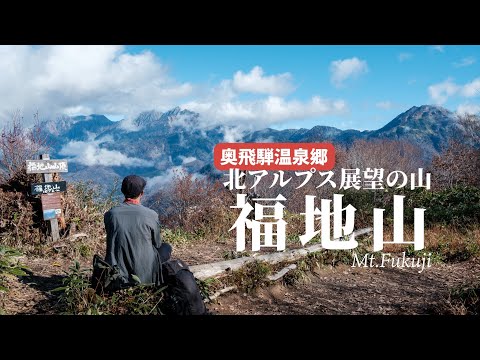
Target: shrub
456, 165
18, 144
196, 206
22, 225
20, 220
458, 206
251, 276
9, 265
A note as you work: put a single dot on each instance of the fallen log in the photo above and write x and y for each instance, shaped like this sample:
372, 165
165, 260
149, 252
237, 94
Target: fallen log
281, 273
206, 271
220, 292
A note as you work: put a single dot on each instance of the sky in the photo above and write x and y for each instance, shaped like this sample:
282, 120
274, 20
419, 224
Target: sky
359, 87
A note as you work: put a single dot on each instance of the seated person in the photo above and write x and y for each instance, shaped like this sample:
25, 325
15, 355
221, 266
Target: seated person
133, 236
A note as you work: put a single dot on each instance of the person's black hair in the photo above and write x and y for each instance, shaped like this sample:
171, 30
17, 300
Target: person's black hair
132, 186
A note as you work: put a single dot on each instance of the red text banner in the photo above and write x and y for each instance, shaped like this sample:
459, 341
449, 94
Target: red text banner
274, 156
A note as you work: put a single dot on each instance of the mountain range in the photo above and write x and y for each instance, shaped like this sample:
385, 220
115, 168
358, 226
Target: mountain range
155, 143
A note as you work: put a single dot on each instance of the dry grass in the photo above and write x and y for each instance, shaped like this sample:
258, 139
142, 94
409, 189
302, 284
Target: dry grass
20, 224
84, 208
465, 300
197, 207
23, 228
447, 243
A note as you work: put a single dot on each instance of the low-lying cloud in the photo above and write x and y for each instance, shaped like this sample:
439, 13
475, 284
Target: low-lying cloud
165, 179
232, 134
90, 153
468, 108
187, 159
129, 125
262, 113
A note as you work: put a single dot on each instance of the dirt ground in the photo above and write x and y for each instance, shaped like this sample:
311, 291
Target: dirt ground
346, 290
329, 290
31, 294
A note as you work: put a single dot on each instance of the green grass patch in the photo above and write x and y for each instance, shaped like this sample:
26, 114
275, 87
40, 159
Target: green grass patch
78, 298
9, 265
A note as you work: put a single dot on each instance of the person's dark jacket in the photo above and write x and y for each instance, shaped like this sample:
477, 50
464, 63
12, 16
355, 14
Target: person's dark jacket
133, 240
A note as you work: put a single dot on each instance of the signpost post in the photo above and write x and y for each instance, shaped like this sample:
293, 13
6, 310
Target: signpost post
49, 190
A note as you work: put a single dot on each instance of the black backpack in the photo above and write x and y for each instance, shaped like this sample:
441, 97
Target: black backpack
105, 278
182, 295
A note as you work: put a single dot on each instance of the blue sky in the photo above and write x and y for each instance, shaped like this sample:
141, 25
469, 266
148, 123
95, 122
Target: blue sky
397, 77
360, 87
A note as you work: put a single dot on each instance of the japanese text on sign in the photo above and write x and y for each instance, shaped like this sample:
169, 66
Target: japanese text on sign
48, 187
46, 166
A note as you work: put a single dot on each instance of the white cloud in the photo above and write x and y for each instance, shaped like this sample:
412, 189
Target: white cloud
82, 79
385, 105
404, 56
341, 70
160, 181
182, 120
467, 61
223, 105
439, 48
471, 89
468, 108
164, 180
76, 110
187, 159
441, 92
256, 82
129, 124
232, 134
108, 79
90, 153
268, 139
264, 112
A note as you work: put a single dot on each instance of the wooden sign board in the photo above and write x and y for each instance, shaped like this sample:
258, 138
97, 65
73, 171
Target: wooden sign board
46, 166
51, 206
48, 187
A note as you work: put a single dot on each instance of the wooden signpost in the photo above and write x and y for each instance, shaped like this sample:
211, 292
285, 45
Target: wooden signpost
49, 190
